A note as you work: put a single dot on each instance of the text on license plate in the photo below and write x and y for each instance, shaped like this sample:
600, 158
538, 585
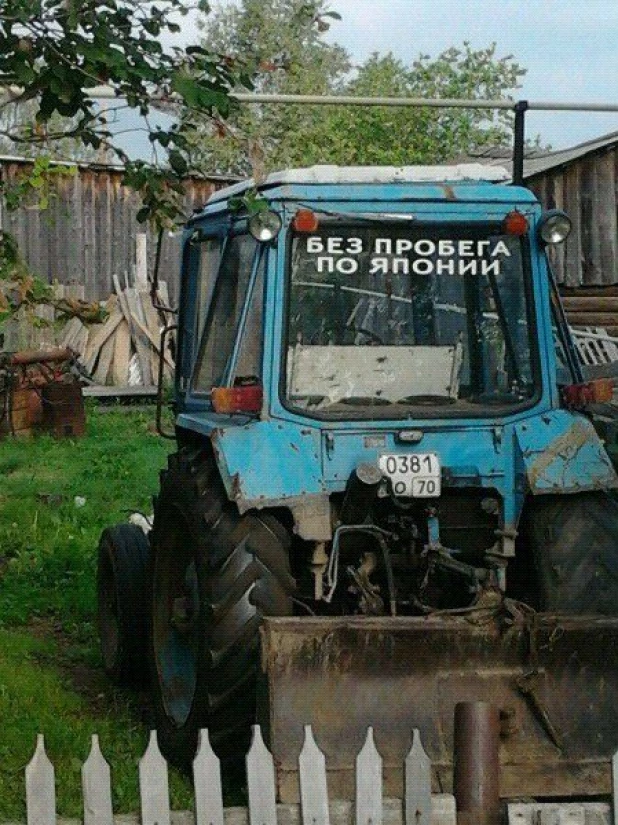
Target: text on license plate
416, 475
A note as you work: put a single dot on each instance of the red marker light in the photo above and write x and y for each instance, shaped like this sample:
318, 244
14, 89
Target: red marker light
515, 224
237, 399
599, 391
305, 221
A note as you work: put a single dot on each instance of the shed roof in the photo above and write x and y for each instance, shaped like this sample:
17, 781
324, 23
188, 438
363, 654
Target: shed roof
538, 161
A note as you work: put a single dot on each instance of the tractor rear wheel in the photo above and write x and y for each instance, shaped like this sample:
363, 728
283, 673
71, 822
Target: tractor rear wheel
215, 575
123, 580
574, 543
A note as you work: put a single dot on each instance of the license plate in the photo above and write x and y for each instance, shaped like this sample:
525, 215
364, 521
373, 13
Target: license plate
415, 475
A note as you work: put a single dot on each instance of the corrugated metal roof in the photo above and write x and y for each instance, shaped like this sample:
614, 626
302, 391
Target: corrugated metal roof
538, 161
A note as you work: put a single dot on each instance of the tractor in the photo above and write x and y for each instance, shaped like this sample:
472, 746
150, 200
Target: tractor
388, 494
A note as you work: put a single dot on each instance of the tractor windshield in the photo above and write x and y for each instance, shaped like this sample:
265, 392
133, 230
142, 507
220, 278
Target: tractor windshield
388, 318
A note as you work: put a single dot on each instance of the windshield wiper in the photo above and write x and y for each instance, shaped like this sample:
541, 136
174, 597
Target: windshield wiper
372, 217
363, 401
427, 400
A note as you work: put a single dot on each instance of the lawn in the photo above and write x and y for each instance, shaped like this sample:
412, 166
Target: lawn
55, 499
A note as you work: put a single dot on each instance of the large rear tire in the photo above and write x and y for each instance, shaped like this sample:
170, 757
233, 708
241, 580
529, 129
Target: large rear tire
574, 543
215, 575
123, 581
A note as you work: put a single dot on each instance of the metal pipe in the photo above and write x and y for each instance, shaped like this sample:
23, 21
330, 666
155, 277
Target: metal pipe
476, 779
351, 100
108, 93
519, 142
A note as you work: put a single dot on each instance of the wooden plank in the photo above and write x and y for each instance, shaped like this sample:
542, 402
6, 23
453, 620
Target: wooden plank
573, 248
81, 342
591, 269
590, 291
90, 236
40, 787
164, 294
593, 319
417, 784
70, 332
369, 783
605, 225
122, 353
153, 785
260, 782
126, 299
106, 354
119, 392
97, 787
101, 336
142, 339
153, 326
207, 784
573, 303
77, 262
141, 261
313, 789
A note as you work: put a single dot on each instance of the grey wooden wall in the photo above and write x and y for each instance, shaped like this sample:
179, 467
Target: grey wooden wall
88, 232
586, 188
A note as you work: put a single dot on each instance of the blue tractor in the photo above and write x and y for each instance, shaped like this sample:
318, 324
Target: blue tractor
388, 494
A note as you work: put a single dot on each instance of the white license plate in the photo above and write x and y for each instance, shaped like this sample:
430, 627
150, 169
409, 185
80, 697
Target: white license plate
415, 475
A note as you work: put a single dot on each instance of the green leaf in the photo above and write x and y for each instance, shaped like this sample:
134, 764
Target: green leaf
178, 163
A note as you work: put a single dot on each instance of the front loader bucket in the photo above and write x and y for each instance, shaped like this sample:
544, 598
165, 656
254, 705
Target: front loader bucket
554, 677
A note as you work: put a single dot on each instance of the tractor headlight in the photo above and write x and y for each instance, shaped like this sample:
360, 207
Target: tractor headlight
554, 226
265, 226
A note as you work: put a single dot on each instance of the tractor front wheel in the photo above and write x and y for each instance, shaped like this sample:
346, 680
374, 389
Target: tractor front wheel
574, 544
215, 575
123, 581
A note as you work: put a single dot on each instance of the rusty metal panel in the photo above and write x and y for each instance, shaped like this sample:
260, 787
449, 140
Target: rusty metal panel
555, 678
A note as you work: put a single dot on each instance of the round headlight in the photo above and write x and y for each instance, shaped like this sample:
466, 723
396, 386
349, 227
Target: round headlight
554, 226
264, 226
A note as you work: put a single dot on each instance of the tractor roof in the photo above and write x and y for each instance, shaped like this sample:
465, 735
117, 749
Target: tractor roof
461, 173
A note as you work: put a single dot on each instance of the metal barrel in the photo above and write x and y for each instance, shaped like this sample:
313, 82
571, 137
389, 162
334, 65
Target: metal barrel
476, 774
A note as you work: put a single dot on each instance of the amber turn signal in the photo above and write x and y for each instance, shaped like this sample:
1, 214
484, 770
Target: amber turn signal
515, 223
237, 399
599, 391
305, 221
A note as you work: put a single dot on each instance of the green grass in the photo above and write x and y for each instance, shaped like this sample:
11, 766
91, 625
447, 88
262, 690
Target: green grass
51, 680
47, 541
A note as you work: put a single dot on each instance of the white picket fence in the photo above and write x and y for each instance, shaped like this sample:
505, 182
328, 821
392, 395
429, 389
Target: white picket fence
420, 808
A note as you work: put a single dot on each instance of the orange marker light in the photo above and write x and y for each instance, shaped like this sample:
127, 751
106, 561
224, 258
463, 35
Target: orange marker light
305, 221
598, 391
237, 399
515, 223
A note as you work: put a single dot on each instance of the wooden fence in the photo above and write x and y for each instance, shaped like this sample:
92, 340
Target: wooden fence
88, 232
419, 808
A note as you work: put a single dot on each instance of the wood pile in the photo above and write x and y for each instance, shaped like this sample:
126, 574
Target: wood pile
124, 350
592, 307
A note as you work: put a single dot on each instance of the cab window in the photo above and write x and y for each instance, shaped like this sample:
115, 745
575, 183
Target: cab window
224, 313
